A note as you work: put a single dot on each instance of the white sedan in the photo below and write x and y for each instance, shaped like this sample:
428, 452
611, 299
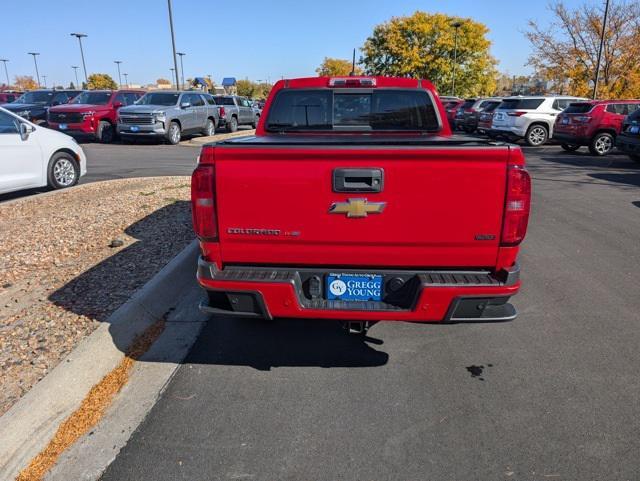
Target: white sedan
34, 156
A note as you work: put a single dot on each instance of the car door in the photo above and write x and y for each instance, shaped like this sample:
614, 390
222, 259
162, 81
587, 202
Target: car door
616, 114
248, 111
21, 165
200, 110
188, 115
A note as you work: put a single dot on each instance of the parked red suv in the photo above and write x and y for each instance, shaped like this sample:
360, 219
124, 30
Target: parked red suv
7, 97
451, 108
92, 113
595, 123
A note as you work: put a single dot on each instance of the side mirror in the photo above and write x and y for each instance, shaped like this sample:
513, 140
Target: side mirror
185, 105
25, 130
117, 104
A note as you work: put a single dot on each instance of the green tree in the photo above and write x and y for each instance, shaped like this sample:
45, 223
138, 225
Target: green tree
246, 88
101, 81
422, 46
566, 51
336, 67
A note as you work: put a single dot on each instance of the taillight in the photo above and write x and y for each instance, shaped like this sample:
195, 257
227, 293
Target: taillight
352, 82
516, 206
516, 113
222, 112
203, 207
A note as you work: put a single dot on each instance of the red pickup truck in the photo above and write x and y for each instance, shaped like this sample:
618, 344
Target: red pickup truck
354, 202
92, 114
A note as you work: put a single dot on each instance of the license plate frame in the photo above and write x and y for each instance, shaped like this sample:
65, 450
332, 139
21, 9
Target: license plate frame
634, 129
63, 126
134, 128
354, 287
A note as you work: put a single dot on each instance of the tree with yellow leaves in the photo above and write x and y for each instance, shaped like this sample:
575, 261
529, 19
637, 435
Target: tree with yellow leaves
423, 45
336, 67
566, 52
25, 82
101, 81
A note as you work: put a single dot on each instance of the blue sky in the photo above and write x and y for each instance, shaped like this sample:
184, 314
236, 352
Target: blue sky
254, 39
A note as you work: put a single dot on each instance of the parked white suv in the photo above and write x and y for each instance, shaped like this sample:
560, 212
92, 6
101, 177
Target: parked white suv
528, 118
34, 156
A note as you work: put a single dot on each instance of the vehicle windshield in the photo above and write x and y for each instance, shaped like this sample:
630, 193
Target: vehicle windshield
578, 108
93, 98
35, 98
156, 98
324, 109
490, 106
468, 104
223, 100
520, 104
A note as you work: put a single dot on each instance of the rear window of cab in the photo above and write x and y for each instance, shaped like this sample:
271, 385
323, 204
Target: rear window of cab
352, 110
520, 104
578, 108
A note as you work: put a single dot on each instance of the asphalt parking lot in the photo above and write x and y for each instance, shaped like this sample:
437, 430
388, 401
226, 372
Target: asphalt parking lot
550, 396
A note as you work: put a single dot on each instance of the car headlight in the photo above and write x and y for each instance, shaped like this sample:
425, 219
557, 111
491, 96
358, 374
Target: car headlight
160, 117
86, 115
23, 113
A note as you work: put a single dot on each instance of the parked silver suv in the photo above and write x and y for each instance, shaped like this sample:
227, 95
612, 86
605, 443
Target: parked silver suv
528, 118
235, 111
168, 115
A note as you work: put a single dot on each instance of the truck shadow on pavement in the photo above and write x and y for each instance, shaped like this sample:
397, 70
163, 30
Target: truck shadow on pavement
97, 292
157, 238
264, 344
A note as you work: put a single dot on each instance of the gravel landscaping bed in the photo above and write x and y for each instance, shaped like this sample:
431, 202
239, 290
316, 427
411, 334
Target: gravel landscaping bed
70, 259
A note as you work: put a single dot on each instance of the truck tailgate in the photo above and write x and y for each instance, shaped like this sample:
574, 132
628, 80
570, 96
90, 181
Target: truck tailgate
440, 206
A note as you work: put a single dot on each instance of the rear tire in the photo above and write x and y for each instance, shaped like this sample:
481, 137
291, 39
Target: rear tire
105, 133
569, 147
63, 171
537, 135
232, 125
210, 128
602, 144
255, 121
174, 134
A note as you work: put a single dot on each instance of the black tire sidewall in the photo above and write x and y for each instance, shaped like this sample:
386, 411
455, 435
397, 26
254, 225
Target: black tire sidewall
51, 181
535, 126
592, 146
569, 147
102, 126
232, 126
171, 126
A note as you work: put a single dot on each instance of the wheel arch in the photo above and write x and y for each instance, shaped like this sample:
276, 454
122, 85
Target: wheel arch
605, 130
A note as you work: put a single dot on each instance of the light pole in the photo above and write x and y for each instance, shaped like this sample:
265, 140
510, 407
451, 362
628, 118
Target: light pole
118, 62
182, 54
6, 72
80, 36
126, 79
75, 71
35, 54
456, 25
604, 26
173, 45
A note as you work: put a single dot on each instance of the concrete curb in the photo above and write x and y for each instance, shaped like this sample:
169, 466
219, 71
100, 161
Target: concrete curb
29, 425
199, 141
90, 456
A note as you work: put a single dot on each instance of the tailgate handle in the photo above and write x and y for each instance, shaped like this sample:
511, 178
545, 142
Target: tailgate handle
358, 180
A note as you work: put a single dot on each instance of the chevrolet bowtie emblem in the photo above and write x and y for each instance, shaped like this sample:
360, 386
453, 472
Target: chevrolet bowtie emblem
357, 208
